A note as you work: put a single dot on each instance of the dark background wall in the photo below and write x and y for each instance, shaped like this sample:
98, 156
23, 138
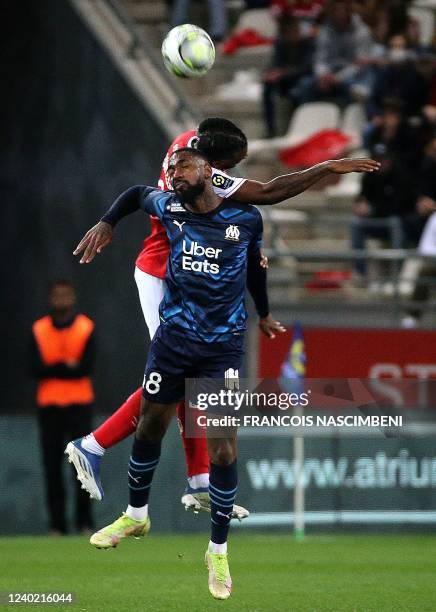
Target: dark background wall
72, 137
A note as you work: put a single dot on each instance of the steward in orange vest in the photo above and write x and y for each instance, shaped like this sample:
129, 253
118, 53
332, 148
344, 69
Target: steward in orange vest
63, 353
62, 358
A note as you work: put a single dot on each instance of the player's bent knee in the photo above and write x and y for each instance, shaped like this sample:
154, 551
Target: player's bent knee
222, 452
154, 421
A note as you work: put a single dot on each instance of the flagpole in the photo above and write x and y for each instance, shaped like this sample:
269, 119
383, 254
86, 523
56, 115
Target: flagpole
293, 372
299, 483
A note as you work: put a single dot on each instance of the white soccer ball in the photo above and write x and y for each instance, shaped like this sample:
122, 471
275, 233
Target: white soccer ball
188, 51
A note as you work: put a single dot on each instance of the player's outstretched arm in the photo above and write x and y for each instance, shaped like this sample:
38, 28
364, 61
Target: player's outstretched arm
94, 241
257, 265
289, 185
101, 235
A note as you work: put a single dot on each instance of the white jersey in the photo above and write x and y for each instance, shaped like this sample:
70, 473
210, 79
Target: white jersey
427, 244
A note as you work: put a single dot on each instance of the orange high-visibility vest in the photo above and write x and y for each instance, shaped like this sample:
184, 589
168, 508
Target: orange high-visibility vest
66, 344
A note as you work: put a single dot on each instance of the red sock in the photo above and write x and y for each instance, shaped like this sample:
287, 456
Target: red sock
122, 423
197, 458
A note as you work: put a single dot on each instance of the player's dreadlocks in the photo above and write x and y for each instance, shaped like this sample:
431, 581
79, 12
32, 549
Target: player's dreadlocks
219, 138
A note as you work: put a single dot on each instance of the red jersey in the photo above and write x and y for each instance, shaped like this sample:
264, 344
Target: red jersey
154, 256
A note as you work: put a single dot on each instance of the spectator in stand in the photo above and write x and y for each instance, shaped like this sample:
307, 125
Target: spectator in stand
426, 206
423, 277
367, 10
426, 202
292, 59
400, 78
385, 208
61, 359
218, 24
429, 109
343, 58
308, 12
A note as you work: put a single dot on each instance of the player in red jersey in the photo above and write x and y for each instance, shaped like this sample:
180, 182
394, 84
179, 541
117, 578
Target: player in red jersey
225, 146
149, 275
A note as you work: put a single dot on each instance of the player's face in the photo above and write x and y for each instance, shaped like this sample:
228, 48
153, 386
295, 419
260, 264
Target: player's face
62, 298
188, 175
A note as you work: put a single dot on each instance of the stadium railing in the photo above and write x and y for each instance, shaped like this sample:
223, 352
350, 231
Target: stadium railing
140, 62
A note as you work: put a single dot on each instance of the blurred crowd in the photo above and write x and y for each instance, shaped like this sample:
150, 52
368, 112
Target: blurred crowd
371, 52
375, 53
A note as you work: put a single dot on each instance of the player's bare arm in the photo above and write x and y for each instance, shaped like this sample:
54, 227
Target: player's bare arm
290, 185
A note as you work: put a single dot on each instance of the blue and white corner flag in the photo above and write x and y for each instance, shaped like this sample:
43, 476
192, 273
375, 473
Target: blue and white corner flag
294, 367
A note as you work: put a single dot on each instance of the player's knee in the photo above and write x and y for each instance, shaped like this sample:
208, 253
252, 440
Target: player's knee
223, 452
150, 430
151, 426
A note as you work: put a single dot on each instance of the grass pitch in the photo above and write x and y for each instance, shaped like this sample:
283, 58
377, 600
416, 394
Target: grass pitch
270, 573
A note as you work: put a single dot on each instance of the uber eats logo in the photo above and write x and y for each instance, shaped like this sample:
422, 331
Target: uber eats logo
195, 249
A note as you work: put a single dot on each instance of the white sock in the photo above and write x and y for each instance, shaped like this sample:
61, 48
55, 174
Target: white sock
199, 481
221, 549
90, 444
138, 514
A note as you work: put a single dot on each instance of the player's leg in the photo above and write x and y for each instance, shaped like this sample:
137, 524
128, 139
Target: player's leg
143, 461
221, 361
164, 385
196, 495
86, 453
151, 291
222, 490
79, 422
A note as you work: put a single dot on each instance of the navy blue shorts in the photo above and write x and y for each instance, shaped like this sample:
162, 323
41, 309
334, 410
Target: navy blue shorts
173, 357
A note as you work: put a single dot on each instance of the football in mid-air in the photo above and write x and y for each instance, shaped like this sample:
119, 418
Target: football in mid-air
188, 51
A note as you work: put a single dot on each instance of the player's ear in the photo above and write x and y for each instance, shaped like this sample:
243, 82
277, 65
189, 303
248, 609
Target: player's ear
207, 170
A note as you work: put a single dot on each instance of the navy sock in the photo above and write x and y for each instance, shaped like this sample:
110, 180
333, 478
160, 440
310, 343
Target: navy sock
143, 462
223, 484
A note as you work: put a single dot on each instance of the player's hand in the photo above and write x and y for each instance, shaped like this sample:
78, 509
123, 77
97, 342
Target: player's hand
270, 327
361, 164
94, 241
263, 261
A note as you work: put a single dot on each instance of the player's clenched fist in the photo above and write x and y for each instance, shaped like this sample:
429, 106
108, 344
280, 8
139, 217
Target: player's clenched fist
94, 241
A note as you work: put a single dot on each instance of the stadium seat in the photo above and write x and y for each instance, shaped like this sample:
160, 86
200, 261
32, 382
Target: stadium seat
260, 20
353, 120
307, 120
348, 186
425, 19
245, 85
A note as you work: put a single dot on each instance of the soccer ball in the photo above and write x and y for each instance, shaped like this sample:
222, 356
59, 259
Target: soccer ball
188, 51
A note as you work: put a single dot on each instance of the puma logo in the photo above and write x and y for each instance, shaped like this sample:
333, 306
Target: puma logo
179, 225
227, 516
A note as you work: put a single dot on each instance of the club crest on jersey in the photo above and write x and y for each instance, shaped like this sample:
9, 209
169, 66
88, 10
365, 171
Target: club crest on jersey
232, 233
221, 181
